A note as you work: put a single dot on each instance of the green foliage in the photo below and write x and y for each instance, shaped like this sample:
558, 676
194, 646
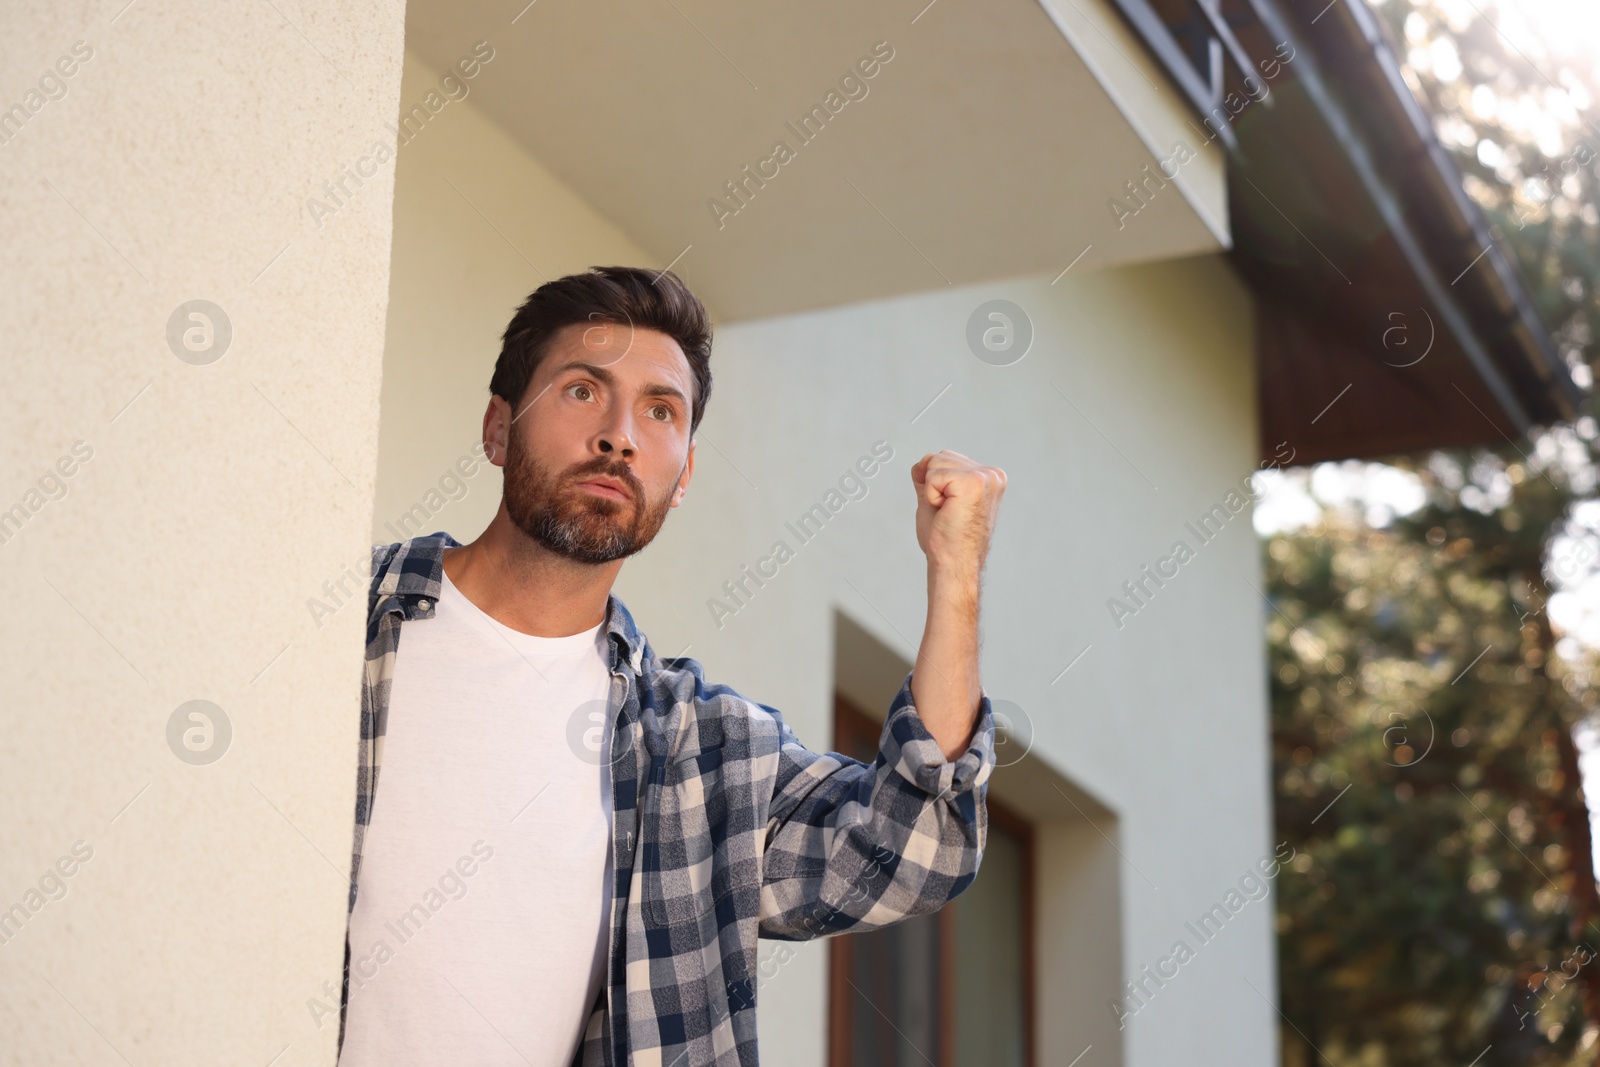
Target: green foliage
1414, 665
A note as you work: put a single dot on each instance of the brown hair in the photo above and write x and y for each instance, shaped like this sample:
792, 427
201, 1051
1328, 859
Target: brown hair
625, 296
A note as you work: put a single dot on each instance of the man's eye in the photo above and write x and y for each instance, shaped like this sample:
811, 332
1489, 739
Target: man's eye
667, 412
580, 385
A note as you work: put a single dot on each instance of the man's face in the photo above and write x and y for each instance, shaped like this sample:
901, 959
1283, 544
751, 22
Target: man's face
607, 402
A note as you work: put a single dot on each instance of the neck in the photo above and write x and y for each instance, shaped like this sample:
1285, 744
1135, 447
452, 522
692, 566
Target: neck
525, 586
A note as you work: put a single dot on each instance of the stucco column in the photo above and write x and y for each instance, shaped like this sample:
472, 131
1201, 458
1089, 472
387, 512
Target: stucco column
191, 353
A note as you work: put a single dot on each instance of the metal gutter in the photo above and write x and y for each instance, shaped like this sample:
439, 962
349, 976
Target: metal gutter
1388, 206
1159, 40
1528, 342
1549, 365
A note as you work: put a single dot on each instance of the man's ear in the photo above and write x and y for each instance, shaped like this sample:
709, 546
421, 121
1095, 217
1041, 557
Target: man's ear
683, 480
497, 431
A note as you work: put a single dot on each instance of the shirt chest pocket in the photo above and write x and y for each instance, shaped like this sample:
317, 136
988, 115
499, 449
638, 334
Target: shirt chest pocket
685, 825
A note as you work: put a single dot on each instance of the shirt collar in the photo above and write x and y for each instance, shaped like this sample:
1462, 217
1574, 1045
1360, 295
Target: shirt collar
414, 574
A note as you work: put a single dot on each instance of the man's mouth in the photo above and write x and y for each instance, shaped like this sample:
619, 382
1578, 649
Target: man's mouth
605, 488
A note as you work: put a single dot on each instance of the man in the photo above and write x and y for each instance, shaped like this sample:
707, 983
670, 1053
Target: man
577, 842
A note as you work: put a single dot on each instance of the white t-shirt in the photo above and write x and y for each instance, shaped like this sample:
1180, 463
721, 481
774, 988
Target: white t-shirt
480, 928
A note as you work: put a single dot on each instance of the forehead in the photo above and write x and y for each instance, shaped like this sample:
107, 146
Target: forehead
623, 349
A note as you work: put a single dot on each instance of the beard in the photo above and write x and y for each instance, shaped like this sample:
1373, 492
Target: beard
571, 522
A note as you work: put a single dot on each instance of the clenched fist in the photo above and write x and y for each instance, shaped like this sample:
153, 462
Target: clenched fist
957, 502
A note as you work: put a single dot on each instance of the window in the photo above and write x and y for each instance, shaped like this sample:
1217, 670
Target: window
952, 989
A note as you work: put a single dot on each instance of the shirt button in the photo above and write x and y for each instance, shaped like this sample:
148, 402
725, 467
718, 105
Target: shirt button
423, 604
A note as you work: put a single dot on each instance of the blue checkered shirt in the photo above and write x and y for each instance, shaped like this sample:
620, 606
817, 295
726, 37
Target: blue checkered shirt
725, 829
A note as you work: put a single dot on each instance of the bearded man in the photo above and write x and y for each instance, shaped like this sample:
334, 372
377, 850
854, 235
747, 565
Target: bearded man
578, 843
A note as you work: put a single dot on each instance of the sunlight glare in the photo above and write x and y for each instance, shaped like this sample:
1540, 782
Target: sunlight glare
1568, 28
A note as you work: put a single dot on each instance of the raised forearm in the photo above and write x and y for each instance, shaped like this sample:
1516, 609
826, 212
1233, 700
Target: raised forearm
944, 682
957, 500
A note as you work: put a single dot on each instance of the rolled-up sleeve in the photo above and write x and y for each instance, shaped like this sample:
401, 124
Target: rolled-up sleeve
858, 846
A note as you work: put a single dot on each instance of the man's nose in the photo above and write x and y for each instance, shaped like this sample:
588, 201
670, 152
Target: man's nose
617, 435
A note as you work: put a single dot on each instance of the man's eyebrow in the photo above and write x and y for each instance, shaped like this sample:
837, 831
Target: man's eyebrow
605, 376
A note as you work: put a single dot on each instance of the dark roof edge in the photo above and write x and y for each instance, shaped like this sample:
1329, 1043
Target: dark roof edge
1547, 362
1538, 348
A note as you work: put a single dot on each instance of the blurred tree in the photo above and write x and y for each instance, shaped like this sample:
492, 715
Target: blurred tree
1443, 908
1445, 900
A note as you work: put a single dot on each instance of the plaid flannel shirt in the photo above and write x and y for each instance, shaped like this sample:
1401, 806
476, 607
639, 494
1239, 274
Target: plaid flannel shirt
725, 828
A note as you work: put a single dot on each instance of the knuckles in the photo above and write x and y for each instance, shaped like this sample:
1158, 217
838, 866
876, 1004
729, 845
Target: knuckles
956, 469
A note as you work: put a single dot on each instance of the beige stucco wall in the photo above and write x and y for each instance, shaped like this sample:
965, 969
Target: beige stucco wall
217, 498
1147, 98
1163, 719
